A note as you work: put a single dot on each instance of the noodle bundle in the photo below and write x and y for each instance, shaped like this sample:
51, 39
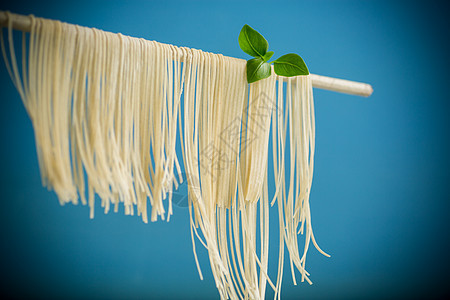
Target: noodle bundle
108, 111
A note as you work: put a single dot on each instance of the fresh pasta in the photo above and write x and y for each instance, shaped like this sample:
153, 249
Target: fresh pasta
108, 111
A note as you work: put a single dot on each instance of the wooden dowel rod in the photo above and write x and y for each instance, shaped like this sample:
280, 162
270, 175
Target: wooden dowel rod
23, 23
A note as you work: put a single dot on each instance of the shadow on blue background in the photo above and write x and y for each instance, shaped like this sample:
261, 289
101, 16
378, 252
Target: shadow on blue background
380, 200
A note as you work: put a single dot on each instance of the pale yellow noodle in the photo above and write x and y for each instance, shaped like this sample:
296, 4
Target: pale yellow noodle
106, 110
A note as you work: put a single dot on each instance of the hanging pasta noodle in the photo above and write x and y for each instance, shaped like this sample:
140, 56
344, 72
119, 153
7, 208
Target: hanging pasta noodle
106, 109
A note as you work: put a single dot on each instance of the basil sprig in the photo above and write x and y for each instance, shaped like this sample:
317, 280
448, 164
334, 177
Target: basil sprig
254, 44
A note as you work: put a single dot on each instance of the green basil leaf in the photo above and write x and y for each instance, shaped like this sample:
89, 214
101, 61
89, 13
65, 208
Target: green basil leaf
290, 65
257, 69
268, 55
252, 43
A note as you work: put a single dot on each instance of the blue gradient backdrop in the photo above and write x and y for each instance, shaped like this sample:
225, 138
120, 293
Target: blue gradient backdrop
380, 197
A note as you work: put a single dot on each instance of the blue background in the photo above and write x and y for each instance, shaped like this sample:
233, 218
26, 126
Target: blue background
380, 197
